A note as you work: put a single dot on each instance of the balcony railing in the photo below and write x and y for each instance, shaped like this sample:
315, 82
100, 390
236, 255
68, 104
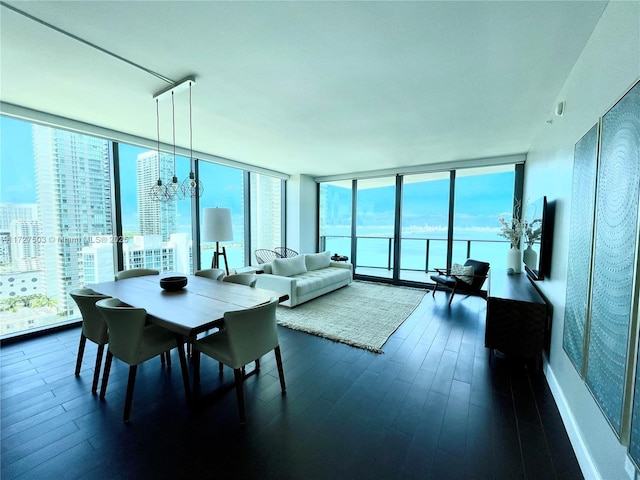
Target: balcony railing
416, 254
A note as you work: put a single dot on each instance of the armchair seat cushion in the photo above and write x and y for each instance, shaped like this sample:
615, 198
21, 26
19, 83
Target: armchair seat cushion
444, 280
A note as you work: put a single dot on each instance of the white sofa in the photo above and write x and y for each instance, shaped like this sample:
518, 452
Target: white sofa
305, 276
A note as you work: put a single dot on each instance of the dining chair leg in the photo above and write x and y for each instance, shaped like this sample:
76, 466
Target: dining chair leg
168, 355
129, 398
83, 342
280, 369
220, 367
105, 374
237, 373
96, 369
433, 292
162, 358
257, 364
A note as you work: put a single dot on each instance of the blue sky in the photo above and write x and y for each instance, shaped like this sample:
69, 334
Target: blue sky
16, 162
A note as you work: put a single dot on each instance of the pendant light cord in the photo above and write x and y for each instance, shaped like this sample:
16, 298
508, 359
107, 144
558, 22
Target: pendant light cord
173, 108
158, 133
190, 129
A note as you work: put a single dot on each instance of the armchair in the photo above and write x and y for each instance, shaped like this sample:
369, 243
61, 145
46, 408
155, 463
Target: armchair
285, 252
264, 255
467, 278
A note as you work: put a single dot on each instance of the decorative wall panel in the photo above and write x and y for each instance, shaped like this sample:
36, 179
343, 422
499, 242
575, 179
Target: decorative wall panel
615, 245
580, 245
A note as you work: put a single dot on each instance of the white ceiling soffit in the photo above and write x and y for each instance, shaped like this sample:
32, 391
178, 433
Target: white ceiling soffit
317, 88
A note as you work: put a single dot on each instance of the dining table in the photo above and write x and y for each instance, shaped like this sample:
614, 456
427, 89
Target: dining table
198, 307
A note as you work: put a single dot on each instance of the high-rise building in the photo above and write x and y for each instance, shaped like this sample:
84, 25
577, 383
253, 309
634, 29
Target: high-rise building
16, 211
266, 218
156, 218
26, 245
73, 190
96, 261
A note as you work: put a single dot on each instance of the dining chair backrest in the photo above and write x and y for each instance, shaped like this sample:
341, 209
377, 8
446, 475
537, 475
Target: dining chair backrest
126, 325
248, 279
251, 332
136, 272
214, 273
93, 324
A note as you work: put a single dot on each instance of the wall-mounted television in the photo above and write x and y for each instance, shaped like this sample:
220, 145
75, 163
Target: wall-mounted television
538, 238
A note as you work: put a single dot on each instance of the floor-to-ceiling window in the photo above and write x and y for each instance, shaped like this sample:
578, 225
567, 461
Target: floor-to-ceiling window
59, 217
425, 224
55, 221
335, 216
444, 217
156, 229
481, 194
265, 193
375, 214
224, 188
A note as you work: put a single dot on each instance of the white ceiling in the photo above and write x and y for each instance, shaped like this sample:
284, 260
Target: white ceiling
318, 88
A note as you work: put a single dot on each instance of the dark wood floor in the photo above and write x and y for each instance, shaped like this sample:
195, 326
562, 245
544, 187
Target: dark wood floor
430, 407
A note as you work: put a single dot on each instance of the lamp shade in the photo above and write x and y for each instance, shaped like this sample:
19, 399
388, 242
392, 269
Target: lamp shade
217, 225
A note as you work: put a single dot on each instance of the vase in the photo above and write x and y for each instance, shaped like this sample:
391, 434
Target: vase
530, 258
514, 260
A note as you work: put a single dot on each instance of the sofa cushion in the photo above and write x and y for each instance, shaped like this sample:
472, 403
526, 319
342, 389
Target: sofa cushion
318, 279
315, 261
287, 267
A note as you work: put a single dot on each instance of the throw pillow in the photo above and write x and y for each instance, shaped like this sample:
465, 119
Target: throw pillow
287, 267
315, 261
463, 273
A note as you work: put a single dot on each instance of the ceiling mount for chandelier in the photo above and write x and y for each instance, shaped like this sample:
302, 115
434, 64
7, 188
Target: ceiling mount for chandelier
173, 189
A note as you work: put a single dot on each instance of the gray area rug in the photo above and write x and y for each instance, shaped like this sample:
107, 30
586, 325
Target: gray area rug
362, 314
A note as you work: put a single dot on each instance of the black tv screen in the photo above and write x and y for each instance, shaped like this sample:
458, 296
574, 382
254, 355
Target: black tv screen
538, 238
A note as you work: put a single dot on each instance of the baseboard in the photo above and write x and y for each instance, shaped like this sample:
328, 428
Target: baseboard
587, 466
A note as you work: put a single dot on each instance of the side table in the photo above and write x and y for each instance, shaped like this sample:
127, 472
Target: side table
250, 269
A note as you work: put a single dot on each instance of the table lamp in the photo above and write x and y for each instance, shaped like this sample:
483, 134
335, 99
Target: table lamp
217, 228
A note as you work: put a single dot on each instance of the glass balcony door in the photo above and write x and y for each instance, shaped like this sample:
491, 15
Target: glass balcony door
481, 194
424, 225
375, 227
336, 208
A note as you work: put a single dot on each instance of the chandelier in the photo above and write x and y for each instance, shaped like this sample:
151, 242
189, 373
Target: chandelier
174, 189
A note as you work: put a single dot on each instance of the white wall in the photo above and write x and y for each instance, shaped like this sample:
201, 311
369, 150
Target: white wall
302, 220
608, 66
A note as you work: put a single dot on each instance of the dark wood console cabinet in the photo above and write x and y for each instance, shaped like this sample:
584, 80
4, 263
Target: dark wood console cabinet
517, 317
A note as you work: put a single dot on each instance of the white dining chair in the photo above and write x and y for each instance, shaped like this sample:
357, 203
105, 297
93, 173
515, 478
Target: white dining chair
131, 340
248, 279
213, 273
94, 328
143, 272
136, 272
247, 334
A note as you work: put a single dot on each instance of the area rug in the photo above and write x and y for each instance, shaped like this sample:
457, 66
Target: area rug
362, 314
